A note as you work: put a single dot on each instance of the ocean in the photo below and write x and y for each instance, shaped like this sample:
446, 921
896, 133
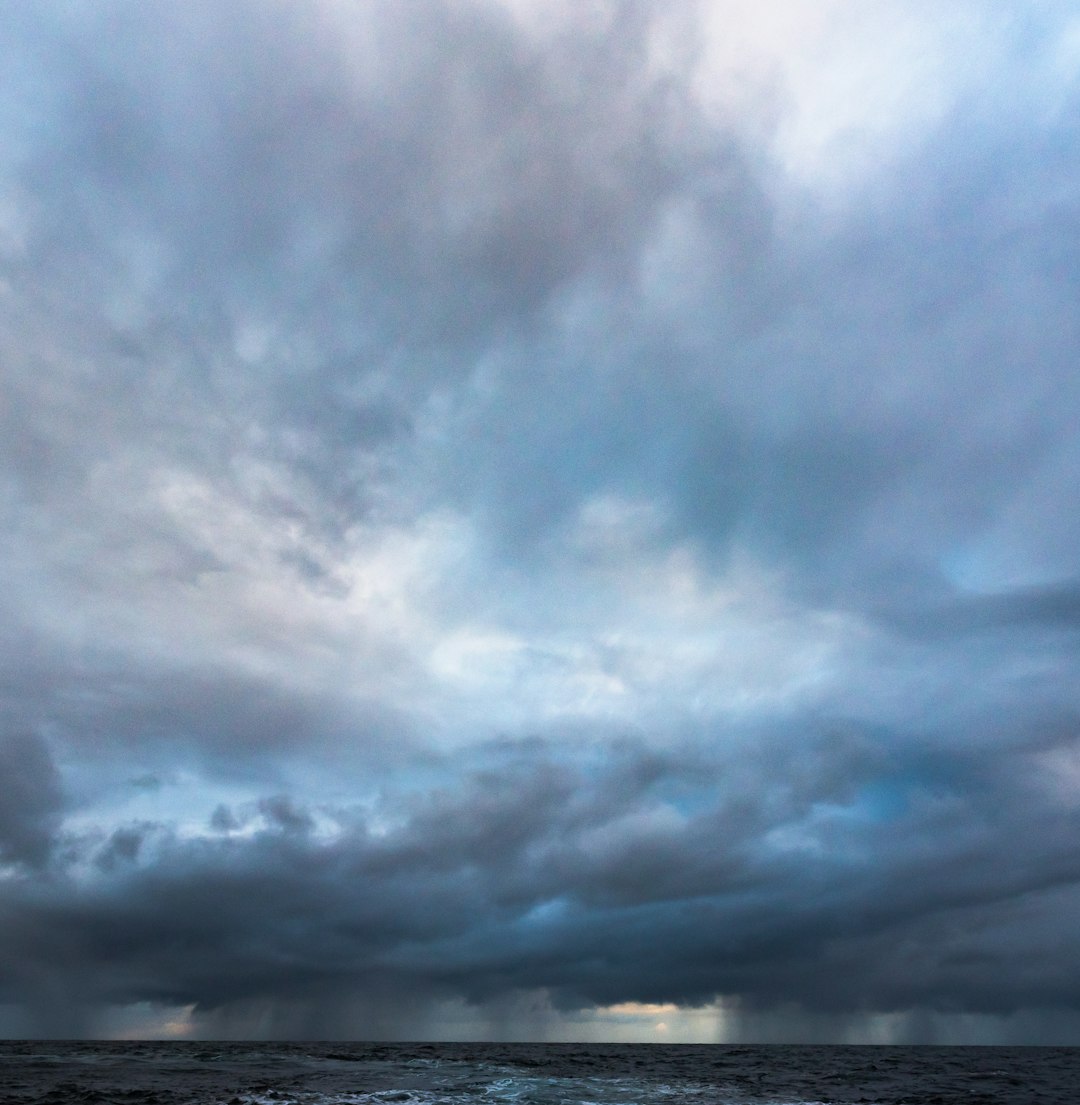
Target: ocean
189, 1073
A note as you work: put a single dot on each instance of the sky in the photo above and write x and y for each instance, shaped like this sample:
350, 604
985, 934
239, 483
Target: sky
524, 519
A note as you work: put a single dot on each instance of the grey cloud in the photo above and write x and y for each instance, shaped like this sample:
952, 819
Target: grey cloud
31, 801
531, 873
484, 175
128, 714
223, 820
285, 815
905, 387
258, 242
247, 259
122, 847
1050, 608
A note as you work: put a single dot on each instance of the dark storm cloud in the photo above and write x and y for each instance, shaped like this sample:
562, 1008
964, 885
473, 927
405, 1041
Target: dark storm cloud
1051, 607
352, 360
865, 875
30, 800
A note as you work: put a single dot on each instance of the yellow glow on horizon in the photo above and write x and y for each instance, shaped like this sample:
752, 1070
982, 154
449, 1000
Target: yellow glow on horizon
641, 1009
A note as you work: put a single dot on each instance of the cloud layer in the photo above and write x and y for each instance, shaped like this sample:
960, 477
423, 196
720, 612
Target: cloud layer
517, 511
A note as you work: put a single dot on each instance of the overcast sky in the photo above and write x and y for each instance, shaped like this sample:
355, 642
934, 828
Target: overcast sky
540, 519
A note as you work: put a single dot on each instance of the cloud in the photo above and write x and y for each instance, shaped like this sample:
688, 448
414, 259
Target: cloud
31, 803
859, 874
518, 509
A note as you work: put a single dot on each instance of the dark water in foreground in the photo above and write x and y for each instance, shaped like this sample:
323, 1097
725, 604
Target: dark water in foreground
50, 1073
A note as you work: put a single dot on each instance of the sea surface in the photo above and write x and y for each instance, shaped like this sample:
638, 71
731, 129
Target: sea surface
51, 1073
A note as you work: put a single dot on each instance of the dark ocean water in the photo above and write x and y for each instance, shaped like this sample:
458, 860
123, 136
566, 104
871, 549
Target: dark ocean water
50, 1073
